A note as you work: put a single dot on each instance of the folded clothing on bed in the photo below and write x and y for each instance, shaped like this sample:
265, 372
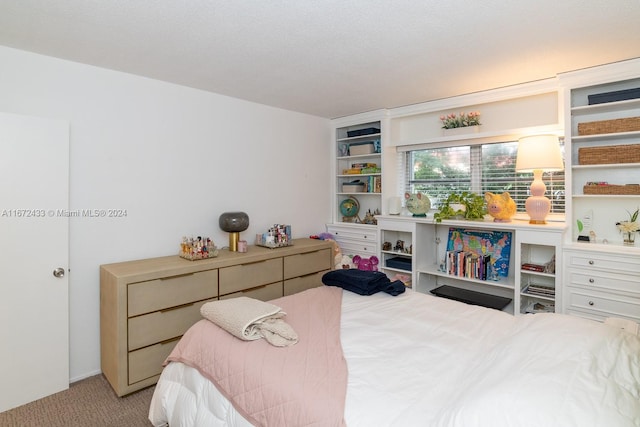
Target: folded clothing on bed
251, 319
363, 282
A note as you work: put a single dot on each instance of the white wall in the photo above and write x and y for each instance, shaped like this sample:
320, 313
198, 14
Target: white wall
174, 158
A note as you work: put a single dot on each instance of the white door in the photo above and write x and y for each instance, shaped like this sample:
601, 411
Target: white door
34, 241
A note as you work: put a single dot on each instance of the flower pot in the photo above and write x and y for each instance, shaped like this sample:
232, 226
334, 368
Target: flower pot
630, 238
461, 130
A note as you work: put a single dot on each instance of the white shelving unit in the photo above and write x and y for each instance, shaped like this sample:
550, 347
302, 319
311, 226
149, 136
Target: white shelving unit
529, 244
370, 199
599, 212
396, 244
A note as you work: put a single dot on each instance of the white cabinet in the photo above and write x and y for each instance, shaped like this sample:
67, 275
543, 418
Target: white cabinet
431, 253
601, 284
599, 149
540, 259
355, 239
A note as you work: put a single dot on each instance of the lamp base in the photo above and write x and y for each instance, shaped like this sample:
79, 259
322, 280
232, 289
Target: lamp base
234, 237
537, 208
537, 221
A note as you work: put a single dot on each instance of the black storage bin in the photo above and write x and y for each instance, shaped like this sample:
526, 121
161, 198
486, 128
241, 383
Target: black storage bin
618, 95
361, 132
399, 262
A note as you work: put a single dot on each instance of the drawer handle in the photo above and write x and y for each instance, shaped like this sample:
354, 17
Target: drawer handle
177, 307
591, 262
591, 280
169, 341
251, 263
591, 303
244, 291
365, 237
179, 275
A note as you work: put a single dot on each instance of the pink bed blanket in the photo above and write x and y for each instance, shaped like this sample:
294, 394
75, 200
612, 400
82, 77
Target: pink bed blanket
301, 385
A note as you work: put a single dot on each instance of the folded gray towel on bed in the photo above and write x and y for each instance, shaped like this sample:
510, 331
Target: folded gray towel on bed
251, 319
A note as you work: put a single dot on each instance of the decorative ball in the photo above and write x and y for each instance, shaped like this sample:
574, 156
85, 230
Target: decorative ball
233, 222
417, 203
349, 207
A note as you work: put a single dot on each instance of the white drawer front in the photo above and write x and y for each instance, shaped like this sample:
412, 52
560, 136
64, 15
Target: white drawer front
356, 248
366, 235
613, 263
605, 305
607, 282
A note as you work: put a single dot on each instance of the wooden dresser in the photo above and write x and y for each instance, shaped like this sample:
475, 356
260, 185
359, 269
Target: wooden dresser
146, 305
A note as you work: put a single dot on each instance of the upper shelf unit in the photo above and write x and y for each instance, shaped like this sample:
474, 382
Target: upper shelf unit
603, 156
358, 175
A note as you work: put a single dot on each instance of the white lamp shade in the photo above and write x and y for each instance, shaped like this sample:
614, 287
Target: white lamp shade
539, 152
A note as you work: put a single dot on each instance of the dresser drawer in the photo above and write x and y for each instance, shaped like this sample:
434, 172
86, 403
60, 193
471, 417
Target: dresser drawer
299, 284
605, 281
153, 295
612, 263
263, 293
357, 248
351, 234
162, 325
307, 263
147, 362
252, 275
604, 305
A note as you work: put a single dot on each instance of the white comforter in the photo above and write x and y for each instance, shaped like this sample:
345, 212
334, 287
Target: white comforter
418, 360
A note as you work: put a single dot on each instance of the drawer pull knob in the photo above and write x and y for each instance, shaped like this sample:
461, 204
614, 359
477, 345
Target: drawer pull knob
591, 280
591, 302
591, 262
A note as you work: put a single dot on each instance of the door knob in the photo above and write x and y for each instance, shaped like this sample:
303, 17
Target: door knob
58, 272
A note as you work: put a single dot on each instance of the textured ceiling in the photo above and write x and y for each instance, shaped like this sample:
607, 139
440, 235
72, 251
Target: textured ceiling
330, 58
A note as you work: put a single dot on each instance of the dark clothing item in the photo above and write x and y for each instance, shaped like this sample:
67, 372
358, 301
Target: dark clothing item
363, 282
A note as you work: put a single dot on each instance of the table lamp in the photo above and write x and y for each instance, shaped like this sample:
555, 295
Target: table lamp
233, 223
538, 154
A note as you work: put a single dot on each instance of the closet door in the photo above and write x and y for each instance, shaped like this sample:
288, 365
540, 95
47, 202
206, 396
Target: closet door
34, 254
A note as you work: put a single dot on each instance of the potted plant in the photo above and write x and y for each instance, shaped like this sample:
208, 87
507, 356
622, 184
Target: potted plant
629, 228
452, 121
466, 205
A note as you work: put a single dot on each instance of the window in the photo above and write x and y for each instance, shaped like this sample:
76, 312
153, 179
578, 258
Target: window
440, 171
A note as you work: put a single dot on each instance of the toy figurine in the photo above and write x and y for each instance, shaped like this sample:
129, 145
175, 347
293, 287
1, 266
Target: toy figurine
417, 203
366, 264
500, 206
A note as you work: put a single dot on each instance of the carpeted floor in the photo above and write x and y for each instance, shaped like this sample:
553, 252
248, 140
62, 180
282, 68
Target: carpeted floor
88, 403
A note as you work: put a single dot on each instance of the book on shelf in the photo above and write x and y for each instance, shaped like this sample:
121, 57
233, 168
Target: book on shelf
468, 264
540, 290
533, 267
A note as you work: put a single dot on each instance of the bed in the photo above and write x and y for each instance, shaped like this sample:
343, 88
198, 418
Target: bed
420, 360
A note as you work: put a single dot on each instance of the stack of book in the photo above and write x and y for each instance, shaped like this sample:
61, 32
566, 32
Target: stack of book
468, 265
362, 168
541, 290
